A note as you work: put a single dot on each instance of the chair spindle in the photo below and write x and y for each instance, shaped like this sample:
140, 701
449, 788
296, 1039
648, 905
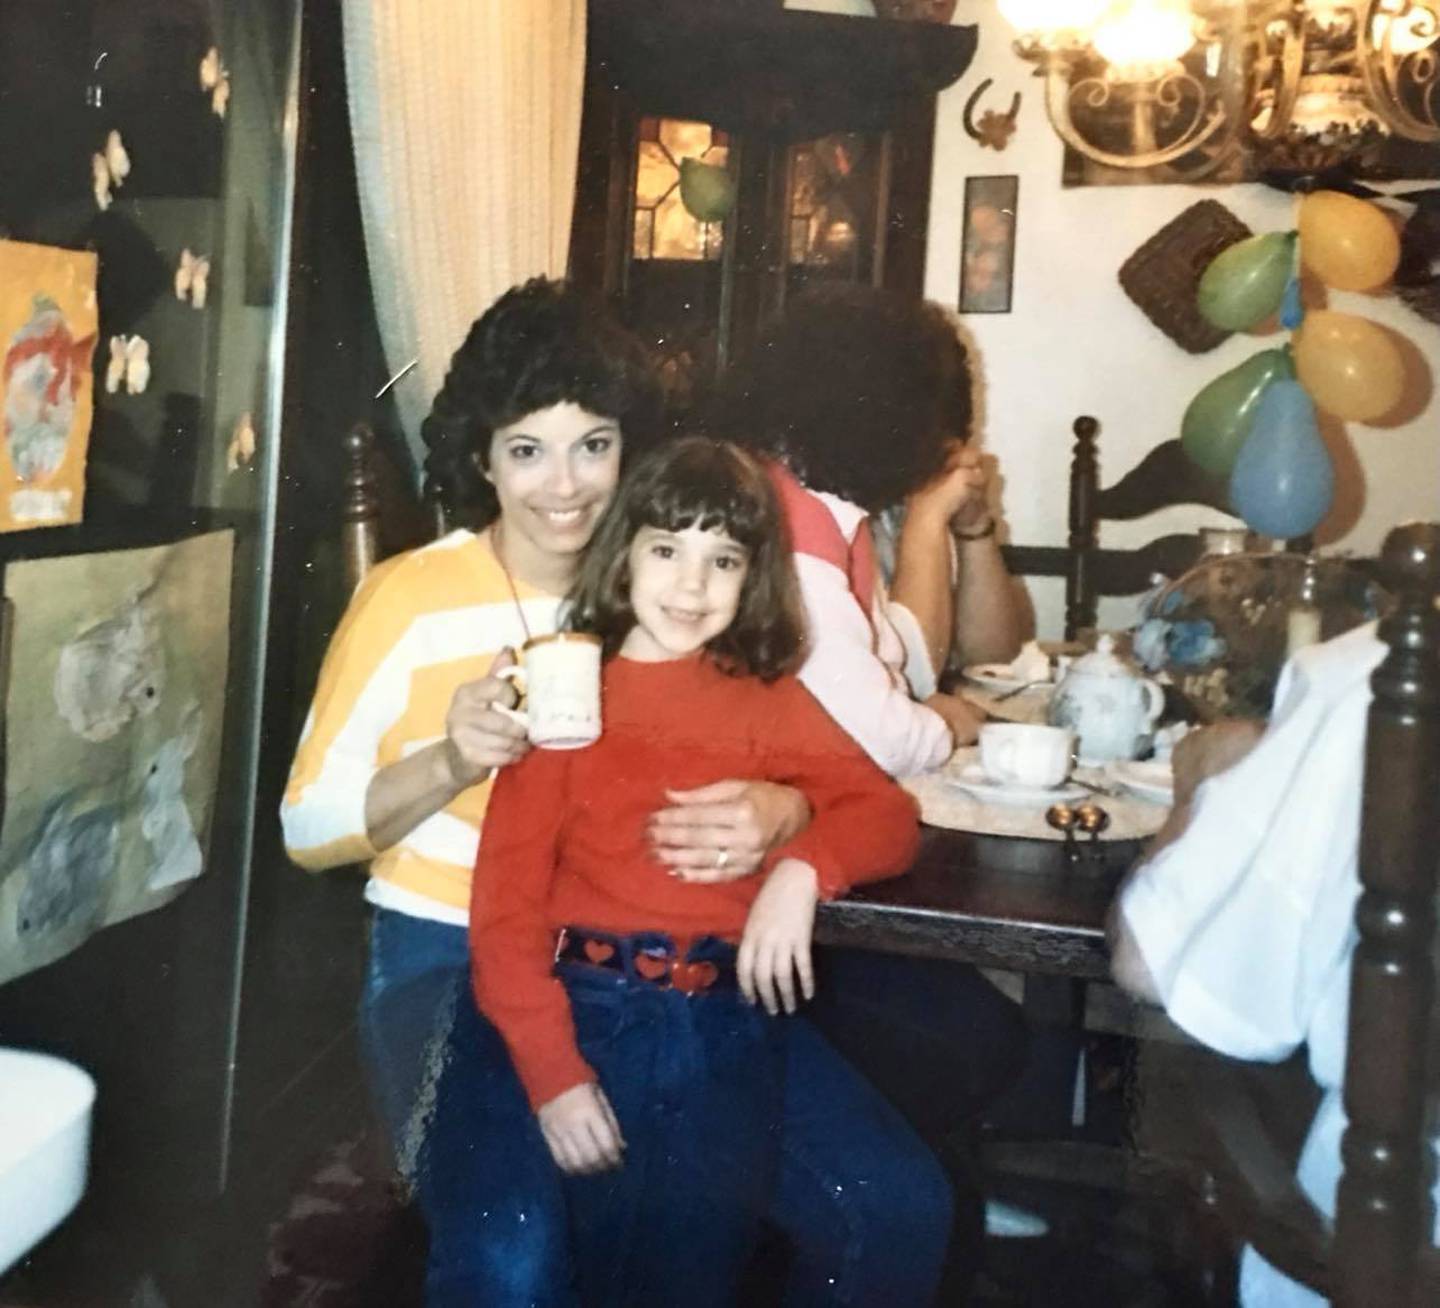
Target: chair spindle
1080, 605
1383, 1214
359, 506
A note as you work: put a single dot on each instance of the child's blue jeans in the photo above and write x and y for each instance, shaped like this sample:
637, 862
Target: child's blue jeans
730, 1116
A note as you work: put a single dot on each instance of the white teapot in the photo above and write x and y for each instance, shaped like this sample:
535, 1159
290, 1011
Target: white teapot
1109, 706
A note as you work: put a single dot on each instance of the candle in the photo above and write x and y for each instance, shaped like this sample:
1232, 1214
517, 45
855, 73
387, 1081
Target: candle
1302, 622
1302, 628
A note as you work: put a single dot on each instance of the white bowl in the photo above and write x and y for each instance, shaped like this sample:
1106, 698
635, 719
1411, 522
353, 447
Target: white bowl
45, 1107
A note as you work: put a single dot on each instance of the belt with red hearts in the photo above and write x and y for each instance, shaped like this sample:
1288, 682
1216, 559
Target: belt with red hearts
652, 958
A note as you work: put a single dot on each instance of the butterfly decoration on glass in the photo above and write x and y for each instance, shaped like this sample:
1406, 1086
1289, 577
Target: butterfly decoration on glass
191, 278
215, 78
108, 170
129, 365
242, 444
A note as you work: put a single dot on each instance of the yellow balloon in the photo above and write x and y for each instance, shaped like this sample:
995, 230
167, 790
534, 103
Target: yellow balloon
1349, 365
1349, 244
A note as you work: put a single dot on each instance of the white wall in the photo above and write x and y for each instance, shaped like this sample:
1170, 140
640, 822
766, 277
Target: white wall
1075, 343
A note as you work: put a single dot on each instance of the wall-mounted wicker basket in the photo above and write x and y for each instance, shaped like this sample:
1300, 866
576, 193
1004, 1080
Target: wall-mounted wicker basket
1161, 276
1417, 280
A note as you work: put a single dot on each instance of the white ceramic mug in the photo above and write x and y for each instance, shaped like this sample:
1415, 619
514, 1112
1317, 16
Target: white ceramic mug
1026, 754
558, 677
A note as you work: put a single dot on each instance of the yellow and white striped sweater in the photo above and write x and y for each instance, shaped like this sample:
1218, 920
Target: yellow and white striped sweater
421, 625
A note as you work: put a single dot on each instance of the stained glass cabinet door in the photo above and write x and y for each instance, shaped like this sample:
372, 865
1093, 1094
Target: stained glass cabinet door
824, 125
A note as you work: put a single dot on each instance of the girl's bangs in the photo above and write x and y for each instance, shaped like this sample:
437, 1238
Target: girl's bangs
710, 497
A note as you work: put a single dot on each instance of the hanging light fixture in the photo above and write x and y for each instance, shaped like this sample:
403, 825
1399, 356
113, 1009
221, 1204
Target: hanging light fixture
1187, 84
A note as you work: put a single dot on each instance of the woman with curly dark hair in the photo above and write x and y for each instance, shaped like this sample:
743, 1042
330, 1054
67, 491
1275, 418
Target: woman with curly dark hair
539, 345
543, 402
860, 400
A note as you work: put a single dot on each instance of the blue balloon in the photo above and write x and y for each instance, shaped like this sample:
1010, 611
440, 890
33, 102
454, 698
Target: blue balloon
1283, 481
1292, 308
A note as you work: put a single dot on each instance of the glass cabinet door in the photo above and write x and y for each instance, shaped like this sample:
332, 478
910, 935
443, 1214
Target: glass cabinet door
155, 140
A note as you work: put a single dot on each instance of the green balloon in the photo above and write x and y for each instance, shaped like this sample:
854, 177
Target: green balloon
1219, 418
706, 190
1243, 285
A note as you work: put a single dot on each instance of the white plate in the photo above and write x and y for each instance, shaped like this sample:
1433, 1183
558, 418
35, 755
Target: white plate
997, 678
1150, 780
972, 778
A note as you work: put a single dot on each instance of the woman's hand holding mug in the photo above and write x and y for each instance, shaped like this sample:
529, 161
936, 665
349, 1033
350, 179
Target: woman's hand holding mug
479, 734
558, 678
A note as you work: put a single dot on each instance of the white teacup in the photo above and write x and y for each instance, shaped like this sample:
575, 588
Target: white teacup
558, 677
1026, 754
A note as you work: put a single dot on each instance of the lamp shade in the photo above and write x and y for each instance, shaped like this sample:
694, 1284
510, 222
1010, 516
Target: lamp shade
1144, 33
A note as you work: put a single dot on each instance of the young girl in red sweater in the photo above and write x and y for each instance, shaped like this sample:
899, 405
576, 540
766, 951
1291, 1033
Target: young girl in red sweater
650, 1015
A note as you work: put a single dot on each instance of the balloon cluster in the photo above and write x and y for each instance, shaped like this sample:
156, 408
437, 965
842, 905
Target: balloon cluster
1256, 423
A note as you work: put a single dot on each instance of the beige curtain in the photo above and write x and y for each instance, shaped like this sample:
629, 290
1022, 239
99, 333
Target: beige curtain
466, 120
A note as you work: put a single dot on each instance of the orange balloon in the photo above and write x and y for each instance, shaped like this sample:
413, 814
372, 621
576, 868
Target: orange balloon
1349, 365
1349, 244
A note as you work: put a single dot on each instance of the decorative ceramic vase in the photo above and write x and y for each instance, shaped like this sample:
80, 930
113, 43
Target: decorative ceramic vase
1109, 706
1219, 633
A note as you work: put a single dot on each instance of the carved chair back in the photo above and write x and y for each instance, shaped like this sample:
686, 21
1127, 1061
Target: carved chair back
1164, 477
377, 517
1377, 1253
1382, 1254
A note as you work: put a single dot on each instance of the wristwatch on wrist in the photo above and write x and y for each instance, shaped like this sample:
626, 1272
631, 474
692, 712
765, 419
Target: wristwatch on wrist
980, 533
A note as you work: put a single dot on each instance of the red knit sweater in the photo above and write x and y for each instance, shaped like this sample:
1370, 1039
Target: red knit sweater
565, 836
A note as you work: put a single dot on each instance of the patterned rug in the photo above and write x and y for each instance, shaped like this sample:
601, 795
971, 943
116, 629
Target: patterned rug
347, 1240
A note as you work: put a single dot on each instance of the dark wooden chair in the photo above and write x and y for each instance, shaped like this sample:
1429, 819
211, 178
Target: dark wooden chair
1378, 1253
380, 514
1164, 477
352, 1233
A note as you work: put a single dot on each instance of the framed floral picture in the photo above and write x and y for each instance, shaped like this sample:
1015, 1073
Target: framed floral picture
49, 320
987, 251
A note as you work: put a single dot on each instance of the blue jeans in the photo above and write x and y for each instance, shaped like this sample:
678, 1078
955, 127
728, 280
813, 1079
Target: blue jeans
700, 1086
418, 972
697, 1085
865, 1204
417, 1019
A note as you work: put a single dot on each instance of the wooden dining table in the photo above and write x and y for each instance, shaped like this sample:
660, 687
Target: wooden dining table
1007, 902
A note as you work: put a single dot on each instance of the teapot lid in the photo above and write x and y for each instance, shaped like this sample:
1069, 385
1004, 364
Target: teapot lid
1102, 661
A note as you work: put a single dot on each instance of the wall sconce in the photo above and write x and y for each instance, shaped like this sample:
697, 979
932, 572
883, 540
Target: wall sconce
1302, 85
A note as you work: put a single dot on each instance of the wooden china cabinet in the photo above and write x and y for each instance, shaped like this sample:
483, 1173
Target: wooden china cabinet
825, 124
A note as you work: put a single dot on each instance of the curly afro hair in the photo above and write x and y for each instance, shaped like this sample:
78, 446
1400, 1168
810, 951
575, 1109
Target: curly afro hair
856, 390
539, 344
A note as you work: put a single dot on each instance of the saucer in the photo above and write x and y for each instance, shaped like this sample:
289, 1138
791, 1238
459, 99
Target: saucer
1150, 780
997, 678
973, 779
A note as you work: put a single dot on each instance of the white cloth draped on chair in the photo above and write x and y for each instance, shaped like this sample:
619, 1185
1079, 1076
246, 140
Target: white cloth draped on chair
466, 122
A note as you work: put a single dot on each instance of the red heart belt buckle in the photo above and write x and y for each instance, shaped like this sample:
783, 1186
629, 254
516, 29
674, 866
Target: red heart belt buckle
653, 967
599, 952
693, 978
